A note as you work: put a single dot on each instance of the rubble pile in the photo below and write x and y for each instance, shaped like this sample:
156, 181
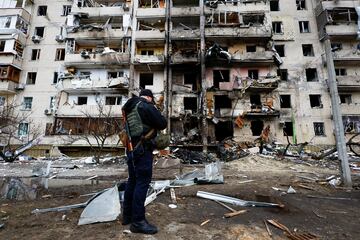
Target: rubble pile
229, 150
194, 157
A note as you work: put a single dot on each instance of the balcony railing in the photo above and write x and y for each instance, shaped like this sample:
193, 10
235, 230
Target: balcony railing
7, 87
179, 58
347, 55
77, 59
11, 59
86, 83
348, 83
100, 11
239, 32
106, 33
266, 56
150, 35
80, 110
16, 12
150, 59
185, 11
179, 34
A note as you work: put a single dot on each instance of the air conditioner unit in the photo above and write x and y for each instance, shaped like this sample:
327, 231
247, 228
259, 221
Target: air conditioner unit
59, 38
36, 38
47, 111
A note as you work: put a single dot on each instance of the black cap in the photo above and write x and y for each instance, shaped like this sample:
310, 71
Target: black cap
146, 92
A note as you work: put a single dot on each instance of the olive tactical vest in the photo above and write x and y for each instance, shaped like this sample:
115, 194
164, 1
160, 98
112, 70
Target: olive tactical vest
136, 127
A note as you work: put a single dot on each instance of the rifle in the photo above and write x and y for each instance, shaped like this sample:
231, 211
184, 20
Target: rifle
129, 146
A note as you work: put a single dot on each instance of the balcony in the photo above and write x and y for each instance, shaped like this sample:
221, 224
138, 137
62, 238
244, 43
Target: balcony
253, 57
264, 84
149, 59
98, 59
11, 59
245, 6
185, 11
179, 34
346, 57
150, 35
7, 87
79, 110
112, 11
238, 32
16, 12
343, 30
180, 58
348, 83
106, 33
350, 109
329, 5
337, 19
150, 12
262, 112
86, 83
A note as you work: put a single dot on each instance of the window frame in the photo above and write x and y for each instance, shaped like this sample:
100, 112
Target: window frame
21, 131
37, 57
44, 8
302, 26
33, 80
60, 54
27, 105
281, 25
322, 124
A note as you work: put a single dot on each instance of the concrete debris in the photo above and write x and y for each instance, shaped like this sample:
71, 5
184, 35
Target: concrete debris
172, 206
291, 190
15, 189
253, 150
194, 157
229, 150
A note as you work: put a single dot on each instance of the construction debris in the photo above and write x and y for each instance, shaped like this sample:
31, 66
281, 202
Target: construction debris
234, 201
205, 222
292, 235
233, 214
15, 189
104, 208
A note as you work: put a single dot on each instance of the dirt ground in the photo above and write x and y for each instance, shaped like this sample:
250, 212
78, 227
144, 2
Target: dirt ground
326, 218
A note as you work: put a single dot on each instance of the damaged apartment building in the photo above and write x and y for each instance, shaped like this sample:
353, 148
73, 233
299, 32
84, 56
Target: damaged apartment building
218, 69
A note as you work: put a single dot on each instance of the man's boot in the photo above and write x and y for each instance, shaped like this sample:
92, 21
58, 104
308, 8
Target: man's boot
143, 227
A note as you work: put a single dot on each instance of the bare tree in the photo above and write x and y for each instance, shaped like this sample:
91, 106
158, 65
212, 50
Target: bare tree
17, 130
101, 127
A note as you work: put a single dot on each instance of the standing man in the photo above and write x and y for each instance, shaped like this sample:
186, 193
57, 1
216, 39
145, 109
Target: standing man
142, 117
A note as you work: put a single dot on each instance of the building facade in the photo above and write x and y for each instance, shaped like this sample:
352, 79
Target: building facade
218, 69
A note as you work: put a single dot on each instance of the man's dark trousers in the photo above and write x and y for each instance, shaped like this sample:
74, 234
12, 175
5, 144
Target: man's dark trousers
140, 173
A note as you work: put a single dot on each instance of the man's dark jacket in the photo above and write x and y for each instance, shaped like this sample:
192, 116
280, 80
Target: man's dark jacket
148, 113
